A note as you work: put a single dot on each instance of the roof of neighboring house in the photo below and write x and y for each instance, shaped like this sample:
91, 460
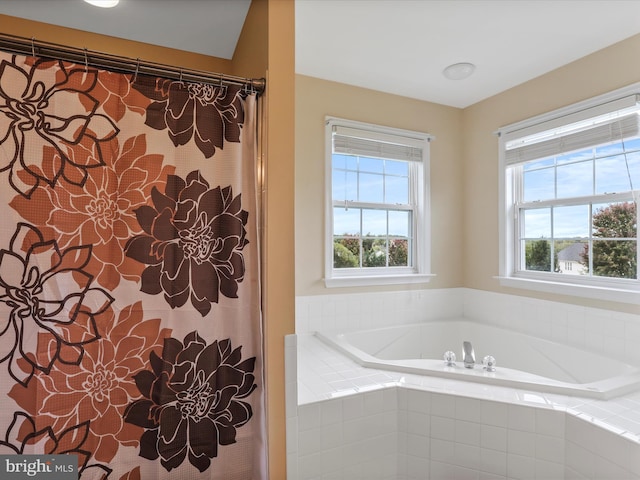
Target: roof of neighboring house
572, 253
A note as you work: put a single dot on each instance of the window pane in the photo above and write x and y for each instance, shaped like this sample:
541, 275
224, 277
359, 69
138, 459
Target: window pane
374, 252
537, 223
339, 161
615, 220
632, 144
396, 190
352, 163
538, 255
399, 224
571, 258
394, 167
539, 185
611, 257
346, 221
575, 157
344, 162
346, 252
372, 165
371, 188
398, 253
615, 258
344, 185
575, 179
609, 149
538, 164
612, 175
633, 161
571, 222
629, 146
374, 222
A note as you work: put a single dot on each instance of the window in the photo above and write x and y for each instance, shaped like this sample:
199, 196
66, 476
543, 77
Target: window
377, 205
569, 189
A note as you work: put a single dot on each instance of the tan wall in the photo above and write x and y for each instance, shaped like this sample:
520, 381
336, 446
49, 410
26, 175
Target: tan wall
601, 72
116, 46
464, 165
251, 57
265, 49
278, 287
317, 98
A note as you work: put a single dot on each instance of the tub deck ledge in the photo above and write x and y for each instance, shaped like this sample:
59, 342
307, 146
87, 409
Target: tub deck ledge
323, 373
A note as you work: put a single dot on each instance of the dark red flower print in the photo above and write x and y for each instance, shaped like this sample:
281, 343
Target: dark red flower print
208, 114
22, 437
43, 289
192, 241
101, 386
192, 401
49, 124
101, 213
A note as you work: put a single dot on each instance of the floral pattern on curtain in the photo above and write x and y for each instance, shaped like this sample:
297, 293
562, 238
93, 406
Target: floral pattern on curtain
130, 328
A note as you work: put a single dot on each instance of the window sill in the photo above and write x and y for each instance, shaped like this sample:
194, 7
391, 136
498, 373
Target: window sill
364, 281
613, 294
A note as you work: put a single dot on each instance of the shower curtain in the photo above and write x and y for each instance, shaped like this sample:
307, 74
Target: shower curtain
130, 327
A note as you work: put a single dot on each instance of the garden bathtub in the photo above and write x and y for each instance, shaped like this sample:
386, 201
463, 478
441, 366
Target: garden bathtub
522, 361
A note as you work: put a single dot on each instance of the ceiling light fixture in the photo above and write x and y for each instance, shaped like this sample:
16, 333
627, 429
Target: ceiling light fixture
459, 71
103, 3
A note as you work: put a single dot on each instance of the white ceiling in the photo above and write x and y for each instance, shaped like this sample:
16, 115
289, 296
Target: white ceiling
402, 46
395, 46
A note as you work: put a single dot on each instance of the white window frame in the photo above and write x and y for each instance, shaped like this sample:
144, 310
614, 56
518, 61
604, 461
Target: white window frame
601, 288
419, 272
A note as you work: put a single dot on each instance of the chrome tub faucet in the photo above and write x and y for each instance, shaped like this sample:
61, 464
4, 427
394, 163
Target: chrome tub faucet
468, 355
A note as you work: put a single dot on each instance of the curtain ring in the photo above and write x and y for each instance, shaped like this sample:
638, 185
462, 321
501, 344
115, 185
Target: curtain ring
86, 61
33, 46
180, 79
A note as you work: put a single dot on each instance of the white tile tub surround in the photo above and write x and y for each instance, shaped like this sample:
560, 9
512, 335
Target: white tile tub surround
564, 438
354, 437
380, 309
592, 453
606, 332
291, 402
611, 333
412, 427
412, 434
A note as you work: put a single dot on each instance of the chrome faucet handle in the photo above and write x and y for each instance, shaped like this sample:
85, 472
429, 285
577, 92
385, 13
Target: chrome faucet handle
449, 358
489, 363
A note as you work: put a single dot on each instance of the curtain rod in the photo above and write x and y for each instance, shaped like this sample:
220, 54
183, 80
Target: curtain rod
33, 47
